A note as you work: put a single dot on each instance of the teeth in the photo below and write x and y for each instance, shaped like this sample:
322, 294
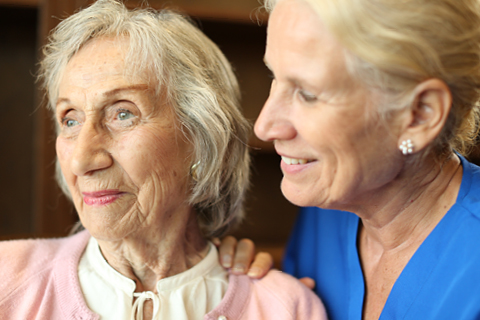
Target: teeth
294, 161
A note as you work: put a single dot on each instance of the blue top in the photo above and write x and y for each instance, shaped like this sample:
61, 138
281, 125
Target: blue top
441, 280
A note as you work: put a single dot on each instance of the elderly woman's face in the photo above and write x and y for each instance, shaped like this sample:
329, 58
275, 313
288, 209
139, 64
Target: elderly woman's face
322, 123
119, 146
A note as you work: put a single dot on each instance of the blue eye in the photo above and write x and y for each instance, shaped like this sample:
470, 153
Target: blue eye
124, 115
70, 123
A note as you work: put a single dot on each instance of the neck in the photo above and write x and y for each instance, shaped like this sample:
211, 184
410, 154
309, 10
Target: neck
157, 251
411, 206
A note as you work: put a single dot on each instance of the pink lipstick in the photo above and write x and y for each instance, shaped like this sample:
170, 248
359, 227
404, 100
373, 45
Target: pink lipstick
101, 198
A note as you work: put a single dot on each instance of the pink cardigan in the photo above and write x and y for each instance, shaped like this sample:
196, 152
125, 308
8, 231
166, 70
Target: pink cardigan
38, 280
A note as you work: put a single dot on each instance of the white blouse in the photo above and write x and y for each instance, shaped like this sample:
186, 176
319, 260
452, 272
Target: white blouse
188, 295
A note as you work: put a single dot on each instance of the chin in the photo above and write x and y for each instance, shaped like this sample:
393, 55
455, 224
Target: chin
306, 196
296, 196
104, 229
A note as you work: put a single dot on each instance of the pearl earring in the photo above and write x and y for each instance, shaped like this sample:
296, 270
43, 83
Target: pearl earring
406, 147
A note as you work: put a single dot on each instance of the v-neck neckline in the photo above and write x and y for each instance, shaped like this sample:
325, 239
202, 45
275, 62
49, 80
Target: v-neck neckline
418, 269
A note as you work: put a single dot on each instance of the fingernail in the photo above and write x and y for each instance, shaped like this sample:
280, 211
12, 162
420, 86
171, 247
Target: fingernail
227, 261
239, 268
253, 272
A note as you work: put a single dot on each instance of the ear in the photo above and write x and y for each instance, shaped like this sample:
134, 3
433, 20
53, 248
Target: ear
427, 114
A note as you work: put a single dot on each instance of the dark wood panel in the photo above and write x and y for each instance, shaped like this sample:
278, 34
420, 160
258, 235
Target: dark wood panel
17, 65
53, 212
237, 10
243, 11
19, 3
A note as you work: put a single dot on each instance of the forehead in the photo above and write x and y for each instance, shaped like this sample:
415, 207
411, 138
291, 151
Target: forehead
299, 42
297, 21
100, 52
100, 59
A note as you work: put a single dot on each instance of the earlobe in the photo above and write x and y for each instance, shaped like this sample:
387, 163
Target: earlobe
428, 115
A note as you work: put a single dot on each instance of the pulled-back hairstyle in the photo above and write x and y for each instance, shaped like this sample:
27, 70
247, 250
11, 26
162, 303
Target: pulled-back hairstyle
393, 45
198, 82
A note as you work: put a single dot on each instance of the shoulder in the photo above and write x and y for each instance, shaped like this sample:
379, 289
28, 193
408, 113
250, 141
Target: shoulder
276, 279
25, 262
25, 254
285, 297
283, 287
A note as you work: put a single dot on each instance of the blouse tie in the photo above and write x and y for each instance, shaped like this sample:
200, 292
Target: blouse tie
137, 310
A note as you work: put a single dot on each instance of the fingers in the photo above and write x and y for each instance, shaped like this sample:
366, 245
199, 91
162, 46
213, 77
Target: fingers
309, 282
261, 265
243, 256
227, 250
238, 256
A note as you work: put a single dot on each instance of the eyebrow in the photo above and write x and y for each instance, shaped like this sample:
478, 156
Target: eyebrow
135, 87
62, 100
289, 79
108, 94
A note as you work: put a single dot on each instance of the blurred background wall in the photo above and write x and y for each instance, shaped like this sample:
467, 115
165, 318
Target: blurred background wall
31, 204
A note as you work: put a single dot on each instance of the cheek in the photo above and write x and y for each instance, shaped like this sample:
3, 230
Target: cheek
146, 156
327, 136
158, 175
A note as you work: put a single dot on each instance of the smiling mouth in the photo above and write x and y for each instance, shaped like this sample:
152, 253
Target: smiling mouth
101, 198
291, 161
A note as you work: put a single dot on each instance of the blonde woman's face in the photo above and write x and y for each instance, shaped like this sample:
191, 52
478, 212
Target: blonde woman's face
119, 147
334, 152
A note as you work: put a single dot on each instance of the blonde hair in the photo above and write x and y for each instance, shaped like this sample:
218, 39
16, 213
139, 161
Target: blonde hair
199, 83
393, 45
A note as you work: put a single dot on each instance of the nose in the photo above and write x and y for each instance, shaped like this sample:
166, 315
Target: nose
90, 153
274, 121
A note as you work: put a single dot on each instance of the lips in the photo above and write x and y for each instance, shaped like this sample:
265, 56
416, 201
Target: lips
294, 166
101, 198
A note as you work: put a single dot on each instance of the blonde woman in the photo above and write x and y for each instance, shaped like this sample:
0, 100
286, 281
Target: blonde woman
373, 106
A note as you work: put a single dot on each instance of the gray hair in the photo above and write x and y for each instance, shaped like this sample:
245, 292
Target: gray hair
393, 45
199, 83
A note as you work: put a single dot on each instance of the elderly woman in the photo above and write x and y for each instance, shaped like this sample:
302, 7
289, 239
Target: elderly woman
372, 107
152, 150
